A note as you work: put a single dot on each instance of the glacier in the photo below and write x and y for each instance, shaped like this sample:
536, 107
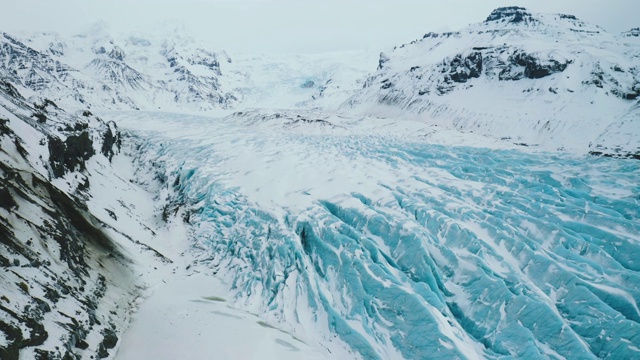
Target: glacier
457, 201
397, 248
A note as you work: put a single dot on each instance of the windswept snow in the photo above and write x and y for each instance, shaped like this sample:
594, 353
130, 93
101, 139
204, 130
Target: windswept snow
187, 318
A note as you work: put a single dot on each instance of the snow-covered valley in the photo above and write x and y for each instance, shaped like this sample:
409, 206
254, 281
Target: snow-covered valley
445, 199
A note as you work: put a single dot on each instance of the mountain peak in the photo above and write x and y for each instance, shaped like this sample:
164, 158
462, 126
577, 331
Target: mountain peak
512, 14
519, 15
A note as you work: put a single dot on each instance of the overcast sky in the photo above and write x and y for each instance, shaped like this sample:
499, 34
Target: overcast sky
294, 26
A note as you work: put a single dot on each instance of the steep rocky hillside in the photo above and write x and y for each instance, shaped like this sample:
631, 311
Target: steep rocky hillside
68, 274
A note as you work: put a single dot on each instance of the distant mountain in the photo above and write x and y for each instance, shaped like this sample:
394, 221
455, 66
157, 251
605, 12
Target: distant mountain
547, 80
99, 70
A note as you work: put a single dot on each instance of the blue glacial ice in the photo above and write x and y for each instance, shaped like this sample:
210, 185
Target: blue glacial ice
413, 250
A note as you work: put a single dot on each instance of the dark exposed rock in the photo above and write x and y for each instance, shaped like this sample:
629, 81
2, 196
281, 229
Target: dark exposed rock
37, 334
81, 344
67, 231
463, 68
208, 60
71, 154
78, 126
6, 200
109, 341
111, 140
4, 127
635, 32
56, 48
513, 14
42, 118
635, 156
532, 67
45, 103
51, 294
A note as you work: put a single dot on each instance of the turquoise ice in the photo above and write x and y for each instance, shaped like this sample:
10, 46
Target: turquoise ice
444, 252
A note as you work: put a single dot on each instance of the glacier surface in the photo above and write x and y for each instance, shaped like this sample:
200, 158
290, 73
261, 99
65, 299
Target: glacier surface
397, 248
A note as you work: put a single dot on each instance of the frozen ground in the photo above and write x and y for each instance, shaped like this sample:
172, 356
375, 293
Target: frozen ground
347, 237
185, 319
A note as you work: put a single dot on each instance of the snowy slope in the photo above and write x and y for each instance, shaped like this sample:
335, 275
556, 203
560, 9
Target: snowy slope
101, 69
72, 250
189, 319
545, 80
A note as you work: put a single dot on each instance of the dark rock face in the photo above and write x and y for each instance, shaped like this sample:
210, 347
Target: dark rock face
45, 72
632, 96
71, 154
111, 141
109, 341
464, 68
117, 73
513, 14
37, 334
210, 61
199, 89
614, 154
6, 200
568, 17
532, 67
56, 48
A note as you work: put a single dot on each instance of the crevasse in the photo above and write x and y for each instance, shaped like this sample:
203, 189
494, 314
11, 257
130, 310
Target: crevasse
404, 249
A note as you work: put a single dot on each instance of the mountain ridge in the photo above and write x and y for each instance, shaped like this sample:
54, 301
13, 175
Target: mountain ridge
557, 63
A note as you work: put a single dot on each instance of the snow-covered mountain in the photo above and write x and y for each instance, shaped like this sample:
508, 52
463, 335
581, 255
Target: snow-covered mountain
97, 69
547, 80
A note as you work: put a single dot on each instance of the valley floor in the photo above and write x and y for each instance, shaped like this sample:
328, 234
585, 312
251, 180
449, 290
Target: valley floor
188, 317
